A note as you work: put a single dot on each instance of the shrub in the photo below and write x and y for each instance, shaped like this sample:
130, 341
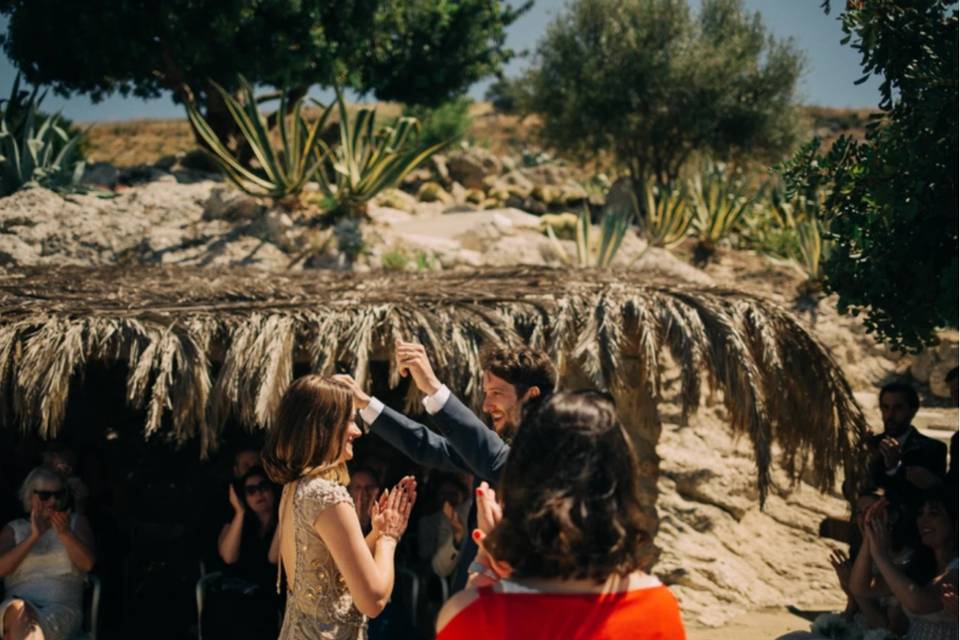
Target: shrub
282, 169
648, 82
35, 149
444, 125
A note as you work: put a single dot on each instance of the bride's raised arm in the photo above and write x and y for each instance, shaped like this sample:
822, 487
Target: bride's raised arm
368, 569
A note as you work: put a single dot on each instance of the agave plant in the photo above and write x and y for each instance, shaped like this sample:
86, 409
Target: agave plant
667, 216
614, 224
283, 170
720, 200
35, 149
367, 159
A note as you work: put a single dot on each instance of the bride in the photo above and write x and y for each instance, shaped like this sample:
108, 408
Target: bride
335, 576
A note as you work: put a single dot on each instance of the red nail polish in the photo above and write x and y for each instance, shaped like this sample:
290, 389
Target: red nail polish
476, 535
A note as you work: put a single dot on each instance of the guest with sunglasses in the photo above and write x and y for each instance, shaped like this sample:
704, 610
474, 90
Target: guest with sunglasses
246, 606
43, 560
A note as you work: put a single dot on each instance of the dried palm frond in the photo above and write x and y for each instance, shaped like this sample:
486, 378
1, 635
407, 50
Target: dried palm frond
175, 326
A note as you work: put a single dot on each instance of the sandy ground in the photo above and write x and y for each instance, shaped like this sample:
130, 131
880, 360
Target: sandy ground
767, 624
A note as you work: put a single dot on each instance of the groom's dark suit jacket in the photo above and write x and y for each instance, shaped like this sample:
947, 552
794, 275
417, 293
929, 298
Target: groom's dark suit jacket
464, 445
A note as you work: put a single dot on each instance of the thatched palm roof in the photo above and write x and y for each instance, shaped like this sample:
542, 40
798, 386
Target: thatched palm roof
171, 326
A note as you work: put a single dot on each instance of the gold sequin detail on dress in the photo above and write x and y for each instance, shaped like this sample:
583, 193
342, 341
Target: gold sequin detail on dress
319, 606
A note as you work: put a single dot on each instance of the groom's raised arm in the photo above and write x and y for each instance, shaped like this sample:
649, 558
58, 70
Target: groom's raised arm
478, 445
414, 440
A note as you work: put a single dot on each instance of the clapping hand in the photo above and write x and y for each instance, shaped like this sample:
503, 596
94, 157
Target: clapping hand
489, 515
890, 450
38, 524
489, 511
877, 529
412, 360
842, 565
948, 594
390, 514
450, 513
235, 501
60, 522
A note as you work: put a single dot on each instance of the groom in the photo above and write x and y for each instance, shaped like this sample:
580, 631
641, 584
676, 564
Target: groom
512, 379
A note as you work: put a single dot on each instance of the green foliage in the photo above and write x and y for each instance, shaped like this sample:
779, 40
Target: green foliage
444, 125
400, 259
283, 169
367, 159
666, 216
647, 81
891, 201
789, 229
509, 95
148, 48
394, 260
720, 200
614, 224
35, 149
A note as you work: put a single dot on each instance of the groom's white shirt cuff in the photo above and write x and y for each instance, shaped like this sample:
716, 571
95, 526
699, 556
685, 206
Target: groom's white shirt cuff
372, 411
432, 403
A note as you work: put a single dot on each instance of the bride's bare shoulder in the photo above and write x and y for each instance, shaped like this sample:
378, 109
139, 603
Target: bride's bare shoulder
457, 603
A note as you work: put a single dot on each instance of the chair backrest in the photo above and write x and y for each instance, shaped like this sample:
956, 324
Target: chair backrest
91, 614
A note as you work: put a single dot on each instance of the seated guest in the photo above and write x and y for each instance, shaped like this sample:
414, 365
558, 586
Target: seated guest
903, 460
570, 539
63, 460
217, 509
364, 489
879, 610
43, 559
921, 598
441, 533
246, 604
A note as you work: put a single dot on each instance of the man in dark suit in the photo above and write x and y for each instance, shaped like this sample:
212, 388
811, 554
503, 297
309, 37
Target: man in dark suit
512, 380
902, 460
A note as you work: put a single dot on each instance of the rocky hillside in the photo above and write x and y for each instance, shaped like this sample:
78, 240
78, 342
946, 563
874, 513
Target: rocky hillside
722, 554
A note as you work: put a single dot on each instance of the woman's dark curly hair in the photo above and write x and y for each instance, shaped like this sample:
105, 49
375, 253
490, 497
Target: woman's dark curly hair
571, 496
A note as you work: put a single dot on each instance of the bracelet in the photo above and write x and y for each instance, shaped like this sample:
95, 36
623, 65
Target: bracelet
390, 536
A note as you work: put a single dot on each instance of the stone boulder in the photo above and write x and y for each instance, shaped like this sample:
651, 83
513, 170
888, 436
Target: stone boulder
433, 192
396, 199
470, 166
226, 203
931, 365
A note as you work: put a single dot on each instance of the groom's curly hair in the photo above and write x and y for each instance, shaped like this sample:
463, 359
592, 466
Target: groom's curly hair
522, 367
572, 506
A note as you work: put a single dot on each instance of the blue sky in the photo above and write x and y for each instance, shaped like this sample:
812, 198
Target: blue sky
831, 67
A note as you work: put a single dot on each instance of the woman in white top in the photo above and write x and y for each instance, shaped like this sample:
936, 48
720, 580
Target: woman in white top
923, 603
43, 560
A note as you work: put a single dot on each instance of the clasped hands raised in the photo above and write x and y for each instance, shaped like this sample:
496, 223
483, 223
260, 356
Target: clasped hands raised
411, 360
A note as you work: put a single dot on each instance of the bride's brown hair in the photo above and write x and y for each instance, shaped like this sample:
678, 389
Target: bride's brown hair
308, 433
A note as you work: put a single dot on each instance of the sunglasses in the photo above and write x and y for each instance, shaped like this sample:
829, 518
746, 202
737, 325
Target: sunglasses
46, 495
262, 487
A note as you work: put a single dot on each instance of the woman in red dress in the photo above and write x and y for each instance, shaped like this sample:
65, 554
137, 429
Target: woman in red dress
569, 544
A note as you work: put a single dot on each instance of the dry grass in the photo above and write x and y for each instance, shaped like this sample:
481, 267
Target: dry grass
146, 141
172, 325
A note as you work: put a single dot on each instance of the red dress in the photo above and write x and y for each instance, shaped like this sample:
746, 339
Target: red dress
510, 611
